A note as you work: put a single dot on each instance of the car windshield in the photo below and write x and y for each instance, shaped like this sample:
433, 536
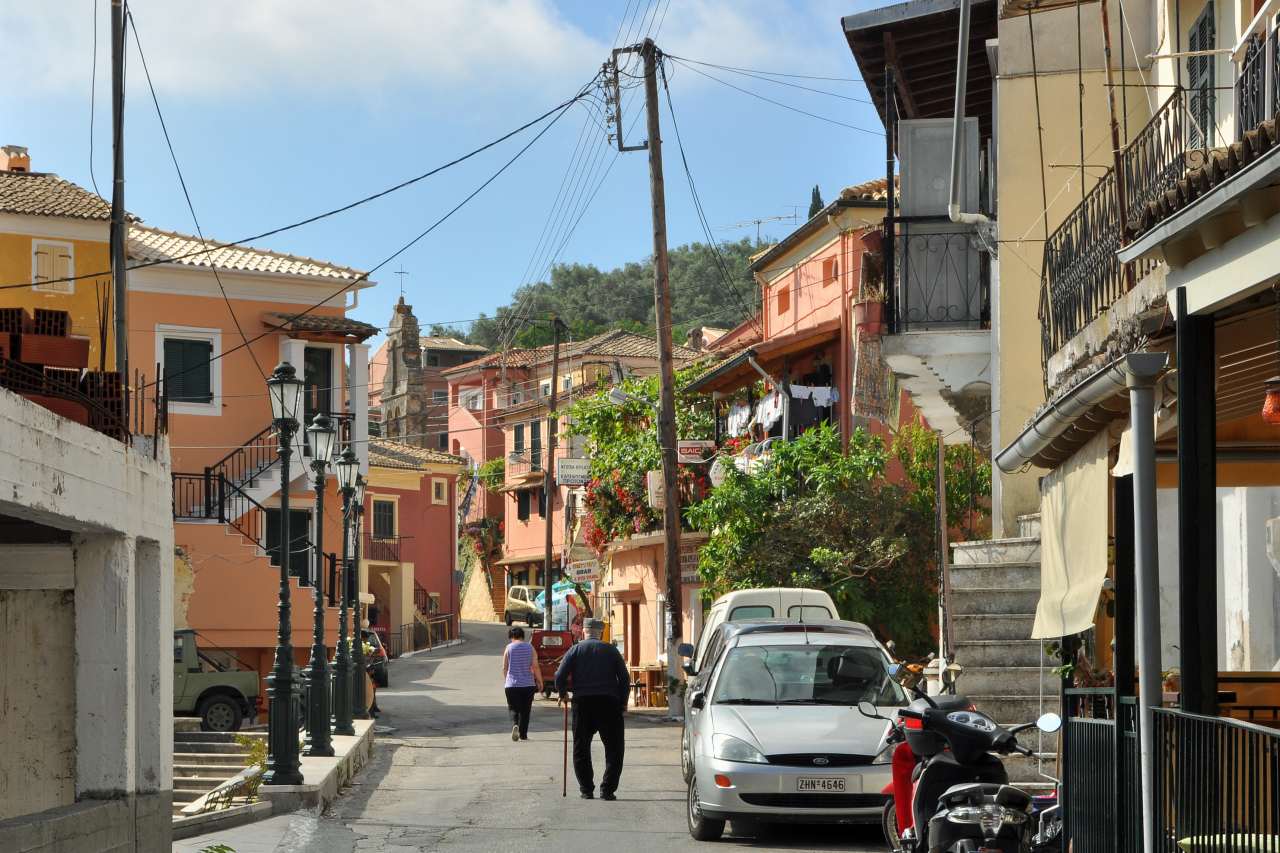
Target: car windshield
806, 675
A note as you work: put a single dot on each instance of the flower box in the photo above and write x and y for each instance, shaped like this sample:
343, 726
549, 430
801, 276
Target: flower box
868, 317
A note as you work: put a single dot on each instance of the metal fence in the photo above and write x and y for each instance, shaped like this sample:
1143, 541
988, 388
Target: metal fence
421, 634
1100, 772
1217, 784
941, 275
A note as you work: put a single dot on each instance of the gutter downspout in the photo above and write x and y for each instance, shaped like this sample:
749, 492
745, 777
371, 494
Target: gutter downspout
962, 79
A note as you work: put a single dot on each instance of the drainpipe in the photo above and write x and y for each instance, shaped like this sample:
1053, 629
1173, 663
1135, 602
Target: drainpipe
962, 78
1141, 371
786, 403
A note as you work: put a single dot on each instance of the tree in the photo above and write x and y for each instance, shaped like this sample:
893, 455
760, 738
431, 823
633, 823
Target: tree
815, 202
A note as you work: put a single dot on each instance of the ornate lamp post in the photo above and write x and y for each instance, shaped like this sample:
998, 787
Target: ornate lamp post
285, 390
360, 698
348, 468
319, 738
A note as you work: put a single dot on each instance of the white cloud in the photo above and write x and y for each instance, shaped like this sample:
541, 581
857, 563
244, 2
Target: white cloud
217, 48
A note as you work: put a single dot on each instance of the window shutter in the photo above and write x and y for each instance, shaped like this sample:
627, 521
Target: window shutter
519, 438
1200, 77
44, 261
188, 370
522, 504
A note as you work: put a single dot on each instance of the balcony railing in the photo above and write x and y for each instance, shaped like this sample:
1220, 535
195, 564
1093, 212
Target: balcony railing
941, 277
521, 463
383, 548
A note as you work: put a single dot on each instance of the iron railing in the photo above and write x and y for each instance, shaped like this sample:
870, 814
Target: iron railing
1217, 783
382, 548
1156, 158
941, 275
248, 461
1251, 86
1100, 772
522, 462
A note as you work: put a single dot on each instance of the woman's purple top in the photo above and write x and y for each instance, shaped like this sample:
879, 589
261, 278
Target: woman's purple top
519, 660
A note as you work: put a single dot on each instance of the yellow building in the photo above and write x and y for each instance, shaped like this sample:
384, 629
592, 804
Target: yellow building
52, 230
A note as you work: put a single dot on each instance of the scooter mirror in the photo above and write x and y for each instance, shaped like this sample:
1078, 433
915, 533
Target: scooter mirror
1049, 723
869, 710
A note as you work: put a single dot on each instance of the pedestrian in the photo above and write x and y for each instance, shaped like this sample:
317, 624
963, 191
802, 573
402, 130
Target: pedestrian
596, 673
521, 678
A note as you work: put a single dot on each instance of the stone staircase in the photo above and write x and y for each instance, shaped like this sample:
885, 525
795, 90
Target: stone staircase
995, 586
204, 760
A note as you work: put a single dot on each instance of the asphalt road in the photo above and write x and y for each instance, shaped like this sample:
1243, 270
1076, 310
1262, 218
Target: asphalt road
448, 777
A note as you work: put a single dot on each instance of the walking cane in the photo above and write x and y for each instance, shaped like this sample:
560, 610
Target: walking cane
564, 783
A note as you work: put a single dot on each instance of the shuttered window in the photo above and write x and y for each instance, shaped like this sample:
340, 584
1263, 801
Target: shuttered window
384, 519
1200, 78
188, 370
522, 504
519, 438
300, 555
51, 262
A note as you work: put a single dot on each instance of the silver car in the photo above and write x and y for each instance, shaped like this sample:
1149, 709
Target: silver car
774, 733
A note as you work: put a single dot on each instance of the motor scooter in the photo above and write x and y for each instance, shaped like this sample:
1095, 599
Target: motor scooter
961, 800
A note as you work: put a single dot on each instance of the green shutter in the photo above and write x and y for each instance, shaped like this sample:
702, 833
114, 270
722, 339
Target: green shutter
188, 370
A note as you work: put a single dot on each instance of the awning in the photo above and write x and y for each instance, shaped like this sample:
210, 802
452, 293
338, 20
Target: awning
1073, 541
737, 372
531, 480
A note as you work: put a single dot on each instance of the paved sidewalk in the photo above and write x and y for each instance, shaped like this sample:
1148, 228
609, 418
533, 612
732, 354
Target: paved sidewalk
448, 777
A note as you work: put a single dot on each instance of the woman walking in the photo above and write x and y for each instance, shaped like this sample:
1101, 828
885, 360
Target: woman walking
522, 679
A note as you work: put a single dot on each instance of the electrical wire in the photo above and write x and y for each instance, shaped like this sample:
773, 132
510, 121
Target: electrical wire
93, 97
768, 73
767, 79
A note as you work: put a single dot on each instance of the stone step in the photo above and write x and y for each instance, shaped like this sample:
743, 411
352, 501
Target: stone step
188, 793
1010, 709
1021, 549
994, 599
198, 783
1025, 575
1029, 525
1023, 680
211, 759
999, 653
1023, 769
987, 627
214, 737
206, 771
211, 748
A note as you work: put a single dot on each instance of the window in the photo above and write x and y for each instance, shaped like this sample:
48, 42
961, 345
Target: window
522, 504
544, 388
518, 594
433, 359
830, 271
519, 438
442, 441
751, 611
784, 298
566, 383
471, 398
439, 396
806, 675
50, 262
1200, 74
542, 503
808, 611
384, 519
299, 552
439, 490
535, 438
191, 369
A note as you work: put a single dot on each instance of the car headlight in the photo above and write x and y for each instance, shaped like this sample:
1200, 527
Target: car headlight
973, 720
885, 756
729, 748
990, 817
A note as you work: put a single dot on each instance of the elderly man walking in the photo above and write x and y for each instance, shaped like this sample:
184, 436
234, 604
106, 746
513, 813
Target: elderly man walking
596, 673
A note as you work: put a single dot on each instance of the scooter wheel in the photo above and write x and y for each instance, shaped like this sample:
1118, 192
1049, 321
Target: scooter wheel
889, 825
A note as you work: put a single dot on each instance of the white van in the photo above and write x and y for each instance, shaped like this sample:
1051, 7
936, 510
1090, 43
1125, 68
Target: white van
805, 605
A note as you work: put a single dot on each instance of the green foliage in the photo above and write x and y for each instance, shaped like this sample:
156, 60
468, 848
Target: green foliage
814, 516
217, 848
968, 476
815, 202
590, 300
257, 757
493, 473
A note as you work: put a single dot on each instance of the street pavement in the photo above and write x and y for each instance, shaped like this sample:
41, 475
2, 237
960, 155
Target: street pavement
445, 775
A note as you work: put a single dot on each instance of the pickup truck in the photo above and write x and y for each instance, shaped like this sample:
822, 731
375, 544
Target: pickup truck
520, 606
221, 696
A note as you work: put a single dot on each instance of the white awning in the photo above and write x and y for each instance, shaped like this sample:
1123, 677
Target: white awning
1073, 543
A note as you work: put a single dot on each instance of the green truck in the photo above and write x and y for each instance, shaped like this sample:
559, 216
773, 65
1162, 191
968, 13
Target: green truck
221, 696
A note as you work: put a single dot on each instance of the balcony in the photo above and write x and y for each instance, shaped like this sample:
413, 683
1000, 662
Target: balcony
383, 549
939, 316
524, 469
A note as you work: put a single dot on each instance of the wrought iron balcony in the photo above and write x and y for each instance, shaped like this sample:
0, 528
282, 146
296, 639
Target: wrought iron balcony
522, 463
382, 548
940, 275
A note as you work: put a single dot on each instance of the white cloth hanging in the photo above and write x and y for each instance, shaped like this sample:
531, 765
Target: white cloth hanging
739, 419
824, 396
802, 392
770, 409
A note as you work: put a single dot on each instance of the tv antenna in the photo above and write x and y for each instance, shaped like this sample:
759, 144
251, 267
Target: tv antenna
758, 222
402, 273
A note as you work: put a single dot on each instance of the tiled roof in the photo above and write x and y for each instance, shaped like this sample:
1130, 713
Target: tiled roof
511, 358
385, 453
319, 323
876, 190
619, 344
45, 194
429, 342
154, 244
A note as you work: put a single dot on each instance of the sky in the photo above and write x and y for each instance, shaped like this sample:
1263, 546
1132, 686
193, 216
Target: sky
280, 109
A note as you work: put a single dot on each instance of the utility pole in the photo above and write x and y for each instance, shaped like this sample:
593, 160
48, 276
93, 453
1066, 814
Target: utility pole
119, 229
549, 474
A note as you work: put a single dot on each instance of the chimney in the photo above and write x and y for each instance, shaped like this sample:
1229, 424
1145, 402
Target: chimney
14, 158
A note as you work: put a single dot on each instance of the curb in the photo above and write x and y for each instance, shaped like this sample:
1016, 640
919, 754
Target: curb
188, 827
446, 645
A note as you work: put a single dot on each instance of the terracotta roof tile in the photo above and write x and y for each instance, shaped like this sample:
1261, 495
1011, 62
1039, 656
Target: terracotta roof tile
154, 244
874, 190
45, 194
385, 453
319, 323
429, 342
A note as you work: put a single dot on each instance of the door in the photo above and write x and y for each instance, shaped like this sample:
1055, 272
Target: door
317, 379
299, 527
1200, 79
633, 634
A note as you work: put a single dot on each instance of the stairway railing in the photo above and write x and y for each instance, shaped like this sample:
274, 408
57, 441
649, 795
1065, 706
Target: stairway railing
247, 462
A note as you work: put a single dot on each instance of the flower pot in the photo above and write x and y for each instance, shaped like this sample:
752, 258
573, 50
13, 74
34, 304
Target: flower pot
868, 317
873, 240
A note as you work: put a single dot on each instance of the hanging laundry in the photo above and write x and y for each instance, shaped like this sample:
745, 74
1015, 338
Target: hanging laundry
824, 396
802, 392
770, 409
739, 419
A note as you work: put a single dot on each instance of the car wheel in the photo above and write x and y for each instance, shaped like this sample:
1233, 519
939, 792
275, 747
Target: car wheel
686, 761
220, 713
507, 618
889, 825
701, 828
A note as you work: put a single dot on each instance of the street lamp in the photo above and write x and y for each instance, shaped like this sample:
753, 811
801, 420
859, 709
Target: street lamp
359, 697
319, 738
348, 468
285, 391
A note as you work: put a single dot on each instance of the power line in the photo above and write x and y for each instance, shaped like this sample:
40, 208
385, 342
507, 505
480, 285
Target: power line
328, 213
761, 76
185, 193
769, 73
93, 96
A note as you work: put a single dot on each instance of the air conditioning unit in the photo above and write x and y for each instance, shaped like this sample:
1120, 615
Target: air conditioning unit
924, 160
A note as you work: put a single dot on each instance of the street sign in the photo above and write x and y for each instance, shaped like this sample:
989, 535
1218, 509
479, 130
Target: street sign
583, 570
694, 451
573, 472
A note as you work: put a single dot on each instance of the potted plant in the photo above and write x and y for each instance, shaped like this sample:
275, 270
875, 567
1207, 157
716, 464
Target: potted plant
868, 309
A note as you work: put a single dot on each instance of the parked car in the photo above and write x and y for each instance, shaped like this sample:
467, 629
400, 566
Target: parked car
521, 606
376, 661
769, 603
774, 734
219, 694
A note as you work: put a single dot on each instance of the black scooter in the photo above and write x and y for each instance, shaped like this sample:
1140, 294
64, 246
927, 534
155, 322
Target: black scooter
962, 800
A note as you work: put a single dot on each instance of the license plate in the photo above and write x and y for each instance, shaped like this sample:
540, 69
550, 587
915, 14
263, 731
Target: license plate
821, 785
553, 641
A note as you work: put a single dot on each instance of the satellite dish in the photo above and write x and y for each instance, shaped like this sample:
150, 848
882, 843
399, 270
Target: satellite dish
718, 471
